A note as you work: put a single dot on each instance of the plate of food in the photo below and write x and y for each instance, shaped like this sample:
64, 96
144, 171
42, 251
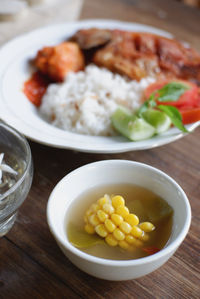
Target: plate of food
100, 86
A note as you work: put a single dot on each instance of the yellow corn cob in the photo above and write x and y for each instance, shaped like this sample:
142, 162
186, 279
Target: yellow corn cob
111, 219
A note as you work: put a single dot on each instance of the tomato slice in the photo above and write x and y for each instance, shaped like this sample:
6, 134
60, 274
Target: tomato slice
35, 88
190, 115
154, 86
188, 99
150, 250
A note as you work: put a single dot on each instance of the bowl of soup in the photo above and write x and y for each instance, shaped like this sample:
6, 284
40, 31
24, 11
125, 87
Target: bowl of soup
118, 219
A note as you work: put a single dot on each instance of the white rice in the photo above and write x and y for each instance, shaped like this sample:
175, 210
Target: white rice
85, 101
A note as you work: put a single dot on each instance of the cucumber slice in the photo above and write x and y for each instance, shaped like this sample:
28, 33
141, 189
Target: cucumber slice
158, 119
130, 126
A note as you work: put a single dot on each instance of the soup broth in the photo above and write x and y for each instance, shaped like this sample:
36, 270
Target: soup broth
142, 202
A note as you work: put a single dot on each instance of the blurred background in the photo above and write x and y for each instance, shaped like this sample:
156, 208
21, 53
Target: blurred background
195, 3
18, 16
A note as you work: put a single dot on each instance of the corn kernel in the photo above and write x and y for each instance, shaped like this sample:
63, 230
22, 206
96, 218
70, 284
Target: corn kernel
144, 237
89, 229
123, 244
88, 212
94, 220
101, 230
117, 219
132, 219
107, 197
125, 227
117, 201
147, 226
95, 207
133, 241
102, 215
136, 231
123, 211
110, 225
130, 239
102, 201
111, 240
108, 208
118, 234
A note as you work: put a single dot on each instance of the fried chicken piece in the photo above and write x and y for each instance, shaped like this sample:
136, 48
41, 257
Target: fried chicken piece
93, 37
57, 61
145, 43
175, 57
122, 55
138, 54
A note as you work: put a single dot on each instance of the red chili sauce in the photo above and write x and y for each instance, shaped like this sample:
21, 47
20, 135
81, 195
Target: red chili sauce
35, 87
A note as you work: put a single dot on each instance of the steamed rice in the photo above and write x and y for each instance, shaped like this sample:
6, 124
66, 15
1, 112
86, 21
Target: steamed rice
85, 101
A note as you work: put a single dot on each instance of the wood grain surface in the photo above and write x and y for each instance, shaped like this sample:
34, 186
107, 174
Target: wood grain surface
32, 265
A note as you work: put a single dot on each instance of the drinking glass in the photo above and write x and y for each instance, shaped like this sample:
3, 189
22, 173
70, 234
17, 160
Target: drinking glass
13, 187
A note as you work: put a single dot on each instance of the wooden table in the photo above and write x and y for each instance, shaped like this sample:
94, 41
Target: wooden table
31, 264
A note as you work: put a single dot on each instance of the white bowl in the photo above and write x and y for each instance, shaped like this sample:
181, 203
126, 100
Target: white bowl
109, 172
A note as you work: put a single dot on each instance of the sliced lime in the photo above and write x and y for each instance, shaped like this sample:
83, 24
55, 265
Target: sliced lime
158, 119
130, 126
80, 239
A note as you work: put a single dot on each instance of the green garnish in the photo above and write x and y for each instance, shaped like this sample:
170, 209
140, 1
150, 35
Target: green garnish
151, 118
171, 92
174, 115
150, 103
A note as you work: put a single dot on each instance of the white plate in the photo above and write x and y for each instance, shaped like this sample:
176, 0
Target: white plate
17, 111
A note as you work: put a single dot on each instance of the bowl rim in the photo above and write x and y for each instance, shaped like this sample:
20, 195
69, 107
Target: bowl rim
28, 158
169, 248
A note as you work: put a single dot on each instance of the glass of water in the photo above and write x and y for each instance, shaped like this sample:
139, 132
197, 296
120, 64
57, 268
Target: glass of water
16, 173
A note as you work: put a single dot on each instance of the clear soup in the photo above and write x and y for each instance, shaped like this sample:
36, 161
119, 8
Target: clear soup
147, 205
